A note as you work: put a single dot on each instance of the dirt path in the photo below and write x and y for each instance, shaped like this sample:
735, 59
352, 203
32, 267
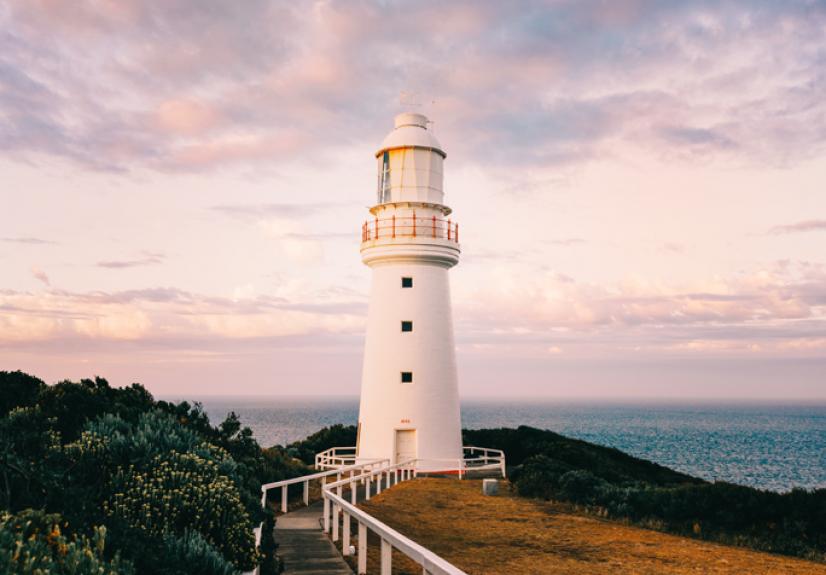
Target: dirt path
512, 535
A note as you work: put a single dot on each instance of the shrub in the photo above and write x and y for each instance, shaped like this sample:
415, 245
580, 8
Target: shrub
34, 543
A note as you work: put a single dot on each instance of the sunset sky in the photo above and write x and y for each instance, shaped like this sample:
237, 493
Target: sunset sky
641, 190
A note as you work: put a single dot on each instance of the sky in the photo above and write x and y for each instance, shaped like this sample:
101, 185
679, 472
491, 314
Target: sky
641, 189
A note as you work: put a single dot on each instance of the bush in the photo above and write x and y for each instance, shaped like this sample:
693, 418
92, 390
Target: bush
791, 523
337, 435
34, 543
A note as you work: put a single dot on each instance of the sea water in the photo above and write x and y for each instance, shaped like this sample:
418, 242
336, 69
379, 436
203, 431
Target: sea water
770, 446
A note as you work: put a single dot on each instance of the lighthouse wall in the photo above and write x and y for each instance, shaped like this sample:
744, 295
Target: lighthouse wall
430, 404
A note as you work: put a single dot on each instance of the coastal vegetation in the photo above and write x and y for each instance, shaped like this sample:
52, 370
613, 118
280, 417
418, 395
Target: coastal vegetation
609, 483
509, 534
97, 479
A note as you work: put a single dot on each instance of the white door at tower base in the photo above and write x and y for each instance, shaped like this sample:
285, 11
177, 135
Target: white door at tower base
405, 445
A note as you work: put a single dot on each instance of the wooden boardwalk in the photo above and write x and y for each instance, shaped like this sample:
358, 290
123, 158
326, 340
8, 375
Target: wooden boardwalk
304, 547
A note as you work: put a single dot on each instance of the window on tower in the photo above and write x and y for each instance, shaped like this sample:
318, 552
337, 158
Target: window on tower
407, 377
407, 326
407, 282
384, 179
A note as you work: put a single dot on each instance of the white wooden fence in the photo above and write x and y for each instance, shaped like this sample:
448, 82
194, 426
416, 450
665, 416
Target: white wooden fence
338, 514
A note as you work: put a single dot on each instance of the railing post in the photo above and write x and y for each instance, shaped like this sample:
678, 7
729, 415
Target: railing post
263, 498
306, 493
326, 515
354, 489
335, 521
367, 489
378, 483
386, 557
283, 499
387, 483
345, 537
362, 558
397, 476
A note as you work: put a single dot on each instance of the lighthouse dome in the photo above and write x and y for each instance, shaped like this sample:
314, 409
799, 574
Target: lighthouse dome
411, 131
410, 163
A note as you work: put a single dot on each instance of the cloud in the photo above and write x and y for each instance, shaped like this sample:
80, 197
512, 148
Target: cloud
28, 241
260, 211
781, 308
40, 276
804, 226
149, 258
567, 242
172, 316
548, 84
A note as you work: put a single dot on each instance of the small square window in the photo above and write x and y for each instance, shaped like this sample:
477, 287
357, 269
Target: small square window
407, 282
407, 326
407, 377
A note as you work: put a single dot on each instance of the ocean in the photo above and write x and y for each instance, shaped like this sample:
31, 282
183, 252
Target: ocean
769, 446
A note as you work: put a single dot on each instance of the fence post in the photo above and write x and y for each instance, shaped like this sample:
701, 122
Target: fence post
386, 557
326, 515
335, 521
306, 493
367, 489
263, 498
345, 538
362, 558
283, 499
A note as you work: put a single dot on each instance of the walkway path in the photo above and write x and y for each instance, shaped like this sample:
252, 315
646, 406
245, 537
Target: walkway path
304, 547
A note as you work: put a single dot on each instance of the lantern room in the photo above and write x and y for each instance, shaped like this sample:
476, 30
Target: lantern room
410, 163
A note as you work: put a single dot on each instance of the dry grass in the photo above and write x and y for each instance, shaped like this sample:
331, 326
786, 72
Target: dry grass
516, 536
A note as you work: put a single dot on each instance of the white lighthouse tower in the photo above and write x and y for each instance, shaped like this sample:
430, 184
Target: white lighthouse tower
409, 391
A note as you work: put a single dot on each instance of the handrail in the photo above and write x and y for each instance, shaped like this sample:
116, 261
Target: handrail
305, 479
410, 226
336, 505
364, 473
331, 457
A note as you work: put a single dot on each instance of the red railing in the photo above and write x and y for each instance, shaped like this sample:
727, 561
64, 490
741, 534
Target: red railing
410, 227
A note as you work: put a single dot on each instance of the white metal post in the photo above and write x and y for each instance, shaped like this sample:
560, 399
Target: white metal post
283, 499
345, 537
386, 557
362, 559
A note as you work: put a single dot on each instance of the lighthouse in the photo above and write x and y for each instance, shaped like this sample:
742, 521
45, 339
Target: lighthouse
409, 405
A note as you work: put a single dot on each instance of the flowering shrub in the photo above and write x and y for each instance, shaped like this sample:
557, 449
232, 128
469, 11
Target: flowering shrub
183, 492
34, 543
